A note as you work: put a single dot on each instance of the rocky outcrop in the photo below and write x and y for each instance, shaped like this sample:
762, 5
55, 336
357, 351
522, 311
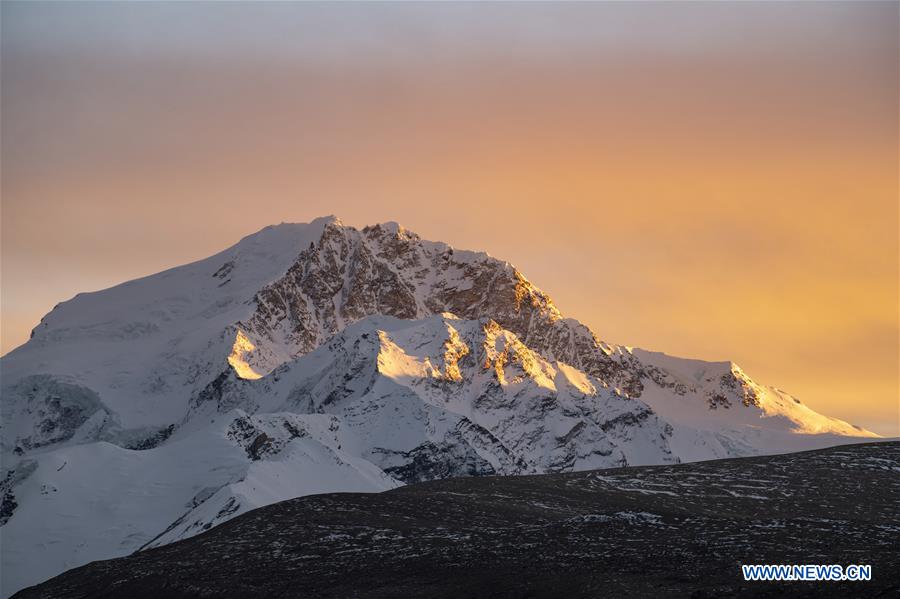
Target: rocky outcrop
443, 397
13, 477
349, 274
433, 461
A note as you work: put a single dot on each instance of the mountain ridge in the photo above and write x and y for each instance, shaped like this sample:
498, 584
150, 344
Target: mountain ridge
360, 359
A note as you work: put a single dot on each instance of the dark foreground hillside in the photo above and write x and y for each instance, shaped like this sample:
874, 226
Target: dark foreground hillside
661, 530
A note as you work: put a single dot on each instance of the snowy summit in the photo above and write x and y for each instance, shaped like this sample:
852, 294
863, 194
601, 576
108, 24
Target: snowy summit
312, 358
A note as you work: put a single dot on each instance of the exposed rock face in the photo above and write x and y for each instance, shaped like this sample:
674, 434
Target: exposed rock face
11, 478
432, 461
152, 439
385, 269
448, 397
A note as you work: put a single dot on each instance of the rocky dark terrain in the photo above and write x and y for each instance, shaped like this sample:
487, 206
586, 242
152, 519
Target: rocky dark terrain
680, 530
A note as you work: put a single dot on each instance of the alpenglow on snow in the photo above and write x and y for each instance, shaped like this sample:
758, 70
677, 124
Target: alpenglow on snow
311, 358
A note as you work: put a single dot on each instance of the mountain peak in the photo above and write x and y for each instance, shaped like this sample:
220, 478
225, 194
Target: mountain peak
349, 274
393, 230
326, 220
314, 357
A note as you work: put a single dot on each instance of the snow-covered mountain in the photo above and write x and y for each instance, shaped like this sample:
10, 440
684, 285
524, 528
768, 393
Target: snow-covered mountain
316, 357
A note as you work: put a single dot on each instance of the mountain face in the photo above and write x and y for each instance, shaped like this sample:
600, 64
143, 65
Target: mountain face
311, 358
385, 269
669, 531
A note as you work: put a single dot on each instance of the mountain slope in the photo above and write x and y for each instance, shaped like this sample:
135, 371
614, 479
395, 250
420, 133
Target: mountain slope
318, 357
664, 531
411, 388
139, 350
79, 503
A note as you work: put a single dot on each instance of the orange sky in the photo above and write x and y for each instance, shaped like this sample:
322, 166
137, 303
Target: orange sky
711, 180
